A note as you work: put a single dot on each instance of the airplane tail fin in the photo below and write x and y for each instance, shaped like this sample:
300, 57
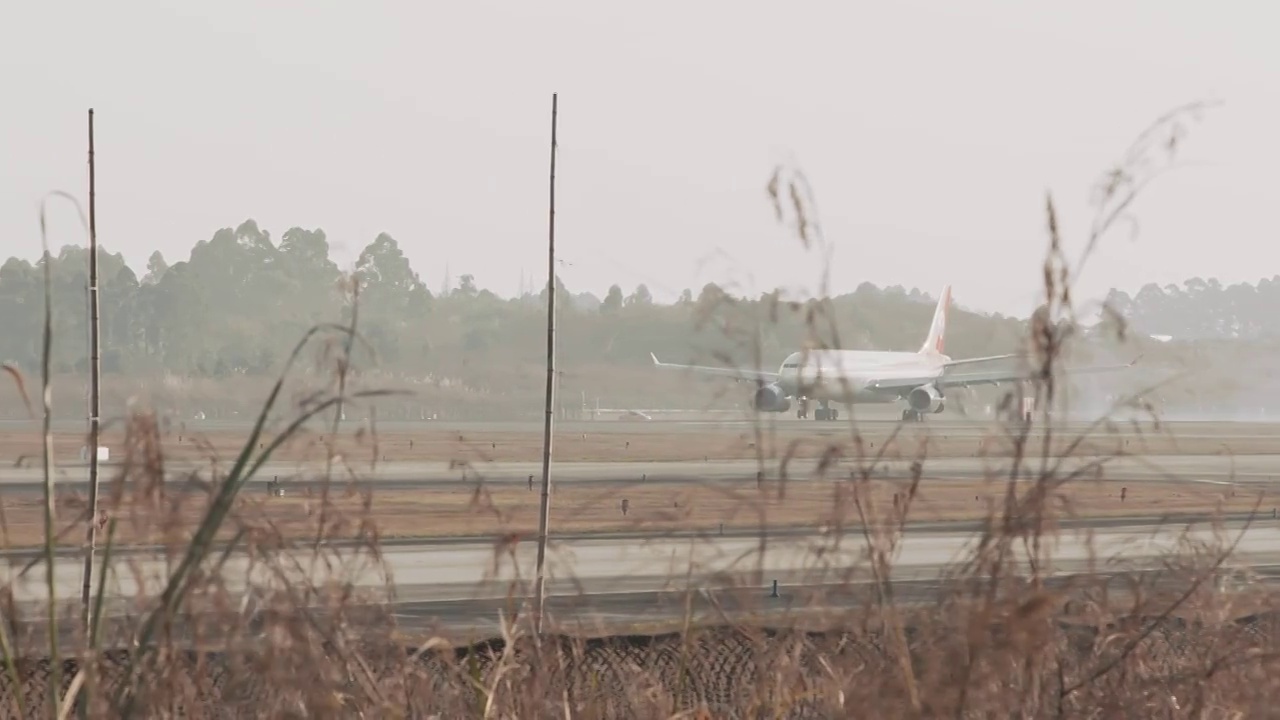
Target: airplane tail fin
933, 343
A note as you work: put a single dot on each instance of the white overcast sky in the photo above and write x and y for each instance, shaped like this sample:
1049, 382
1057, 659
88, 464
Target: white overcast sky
930, 131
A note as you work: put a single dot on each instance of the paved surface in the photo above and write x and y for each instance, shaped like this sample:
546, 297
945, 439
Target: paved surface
606, 611
791, 426
875, 420
1214, 469
456, 584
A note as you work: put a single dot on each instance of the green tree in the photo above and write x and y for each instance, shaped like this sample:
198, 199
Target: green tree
21, 304
466, 287
308, 278
612, 301
156, 267
640, 297
394, 301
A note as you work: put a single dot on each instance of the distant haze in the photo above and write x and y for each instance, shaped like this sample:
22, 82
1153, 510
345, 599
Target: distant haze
930, 132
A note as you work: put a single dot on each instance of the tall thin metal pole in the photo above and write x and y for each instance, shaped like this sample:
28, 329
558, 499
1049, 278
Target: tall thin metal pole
544, 516
95, 370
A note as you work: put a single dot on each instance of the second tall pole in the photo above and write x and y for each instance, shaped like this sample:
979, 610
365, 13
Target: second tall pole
95, 394
544, 517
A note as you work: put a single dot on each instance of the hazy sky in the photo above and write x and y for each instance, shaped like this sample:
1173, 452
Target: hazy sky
930, 131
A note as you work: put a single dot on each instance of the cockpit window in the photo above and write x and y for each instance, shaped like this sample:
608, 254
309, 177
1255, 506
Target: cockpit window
786, 366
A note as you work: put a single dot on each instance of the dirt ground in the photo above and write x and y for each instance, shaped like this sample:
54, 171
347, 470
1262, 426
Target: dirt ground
651, 508
443, 445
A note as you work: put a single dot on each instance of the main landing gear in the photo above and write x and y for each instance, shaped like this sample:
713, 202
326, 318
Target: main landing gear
910, 415
824, 412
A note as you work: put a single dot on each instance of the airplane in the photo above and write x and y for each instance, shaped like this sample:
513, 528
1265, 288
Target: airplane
847, 377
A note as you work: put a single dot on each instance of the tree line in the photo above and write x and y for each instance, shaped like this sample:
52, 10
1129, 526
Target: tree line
217, 326
241, 300
1201, 309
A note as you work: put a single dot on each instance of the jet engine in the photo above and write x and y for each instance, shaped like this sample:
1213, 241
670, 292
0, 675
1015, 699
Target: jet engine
771, 398
925, 399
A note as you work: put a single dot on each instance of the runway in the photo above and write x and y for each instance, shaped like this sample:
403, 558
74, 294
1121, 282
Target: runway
1255, 470
480, 617
873, 421
610, 579
792, 427
867, 419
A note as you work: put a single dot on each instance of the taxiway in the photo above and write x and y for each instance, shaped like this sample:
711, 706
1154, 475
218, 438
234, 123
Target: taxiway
456, 583
1213, 469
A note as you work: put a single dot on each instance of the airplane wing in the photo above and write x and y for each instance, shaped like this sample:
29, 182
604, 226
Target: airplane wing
975, 361
987, 377
735, 373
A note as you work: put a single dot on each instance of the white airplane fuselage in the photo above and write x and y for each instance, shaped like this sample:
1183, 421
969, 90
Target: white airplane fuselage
848, 377
843, 376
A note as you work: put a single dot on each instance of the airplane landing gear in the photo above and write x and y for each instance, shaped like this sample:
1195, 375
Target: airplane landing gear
910, 415
802, 408
825, 412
